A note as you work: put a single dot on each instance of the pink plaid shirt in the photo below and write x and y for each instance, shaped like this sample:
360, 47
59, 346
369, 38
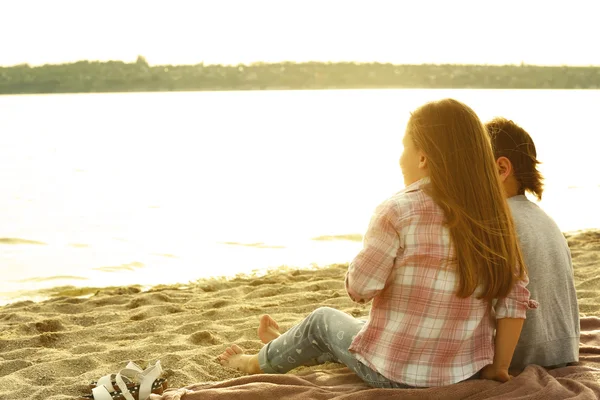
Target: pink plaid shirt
419, 332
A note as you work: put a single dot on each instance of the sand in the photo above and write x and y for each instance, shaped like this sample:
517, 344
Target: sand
53, 349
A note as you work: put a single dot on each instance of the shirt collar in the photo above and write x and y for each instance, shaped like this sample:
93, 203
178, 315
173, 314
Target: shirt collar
413, 187
519, 197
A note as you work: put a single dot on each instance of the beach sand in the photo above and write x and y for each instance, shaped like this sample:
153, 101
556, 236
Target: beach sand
53, 349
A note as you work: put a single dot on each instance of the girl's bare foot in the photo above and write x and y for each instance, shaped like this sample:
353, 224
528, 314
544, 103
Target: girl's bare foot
267, 329
234, 357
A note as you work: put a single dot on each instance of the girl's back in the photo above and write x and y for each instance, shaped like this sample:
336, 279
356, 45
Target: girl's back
419, 331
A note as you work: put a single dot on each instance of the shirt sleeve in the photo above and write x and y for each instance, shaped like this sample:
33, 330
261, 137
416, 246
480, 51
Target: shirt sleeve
516, 304
369, 271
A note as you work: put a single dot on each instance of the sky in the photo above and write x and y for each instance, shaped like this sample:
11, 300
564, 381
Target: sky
245, 31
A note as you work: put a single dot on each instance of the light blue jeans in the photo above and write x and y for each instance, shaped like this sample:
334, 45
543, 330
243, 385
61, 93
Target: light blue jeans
325, 335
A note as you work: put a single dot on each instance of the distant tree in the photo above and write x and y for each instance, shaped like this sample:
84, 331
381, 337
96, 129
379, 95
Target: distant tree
142, 62
139, 76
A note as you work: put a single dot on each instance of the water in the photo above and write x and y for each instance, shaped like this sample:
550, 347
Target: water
154, 188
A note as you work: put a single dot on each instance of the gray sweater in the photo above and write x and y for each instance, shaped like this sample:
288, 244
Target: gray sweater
550, 335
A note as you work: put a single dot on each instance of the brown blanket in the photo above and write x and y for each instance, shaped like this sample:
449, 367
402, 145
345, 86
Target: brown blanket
581, 381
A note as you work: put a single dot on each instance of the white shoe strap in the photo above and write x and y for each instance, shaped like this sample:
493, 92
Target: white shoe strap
131, 371
123, 386
134, 366
101, 393
147, 380
106, 381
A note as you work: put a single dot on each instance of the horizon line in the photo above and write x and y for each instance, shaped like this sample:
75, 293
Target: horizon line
255, 63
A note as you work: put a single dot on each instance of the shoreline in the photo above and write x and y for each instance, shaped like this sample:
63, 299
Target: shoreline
232, 258
72, 291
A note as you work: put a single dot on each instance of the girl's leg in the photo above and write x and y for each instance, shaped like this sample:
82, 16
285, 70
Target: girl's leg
325, 335
268, 329
304, 352
234, 357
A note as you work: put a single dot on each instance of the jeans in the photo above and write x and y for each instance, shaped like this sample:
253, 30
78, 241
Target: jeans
325, 335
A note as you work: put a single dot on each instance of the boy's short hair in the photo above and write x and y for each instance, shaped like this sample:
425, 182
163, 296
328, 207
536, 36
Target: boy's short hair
513, 142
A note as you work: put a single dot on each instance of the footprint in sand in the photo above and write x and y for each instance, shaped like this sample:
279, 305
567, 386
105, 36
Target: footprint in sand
203, 338
49, 325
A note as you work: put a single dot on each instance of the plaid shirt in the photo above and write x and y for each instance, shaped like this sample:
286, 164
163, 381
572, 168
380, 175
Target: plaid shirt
419, 332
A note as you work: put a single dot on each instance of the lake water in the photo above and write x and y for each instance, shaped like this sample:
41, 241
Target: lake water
152, 188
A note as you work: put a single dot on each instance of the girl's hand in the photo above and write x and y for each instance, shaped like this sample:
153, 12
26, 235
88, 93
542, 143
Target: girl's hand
495, 373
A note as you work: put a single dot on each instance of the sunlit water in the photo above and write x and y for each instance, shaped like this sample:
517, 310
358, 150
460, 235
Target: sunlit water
151, 188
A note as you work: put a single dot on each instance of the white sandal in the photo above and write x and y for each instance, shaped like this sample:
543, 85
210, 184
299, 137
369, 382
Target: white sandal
149, 383
129, 374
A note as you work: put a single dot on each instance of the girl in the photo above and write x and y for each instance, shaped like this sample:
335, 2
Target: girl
440, 262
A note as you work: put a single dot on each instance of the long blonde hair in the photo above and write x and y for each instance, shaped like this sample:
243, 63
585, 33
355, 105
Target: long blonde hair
464, 182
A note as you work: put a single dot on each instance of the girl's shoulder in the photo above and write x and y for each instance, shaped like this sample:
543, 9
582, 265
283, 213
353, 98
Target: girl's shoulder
412, 194
408, 202
402, 204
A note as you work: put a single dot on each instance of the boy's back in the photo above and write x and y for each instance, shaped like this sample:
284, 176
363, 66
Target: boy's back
550, 335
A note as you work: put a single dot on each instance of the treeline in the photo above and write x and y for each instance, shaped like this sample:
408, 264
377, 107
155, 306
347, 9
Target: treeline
117, 76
